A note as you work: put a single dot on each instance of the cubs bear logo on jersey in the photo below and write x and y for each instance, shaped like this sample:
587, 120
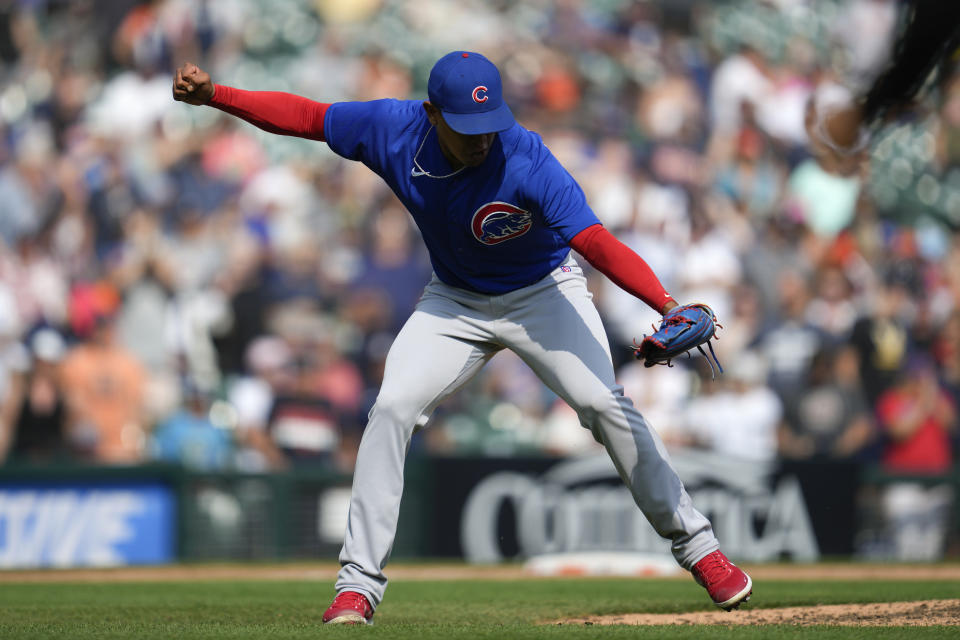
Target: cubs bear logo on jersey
496, 222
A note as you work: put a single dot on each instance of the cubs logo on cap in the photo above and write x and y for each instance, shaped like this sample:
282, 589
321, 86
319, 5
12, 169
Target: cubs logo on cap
496, 222
467, 89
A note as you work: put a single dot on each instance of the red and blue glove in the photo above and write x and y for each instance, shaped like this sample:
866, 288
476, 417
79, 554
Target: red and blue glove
682, 329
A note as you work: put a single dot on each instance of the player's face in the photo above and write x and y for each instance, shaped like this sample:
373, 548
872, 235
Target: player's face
459, 149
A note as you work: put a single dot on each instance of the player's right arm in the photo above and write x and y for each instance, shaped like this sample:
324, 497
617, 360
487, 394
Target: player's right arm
274, 111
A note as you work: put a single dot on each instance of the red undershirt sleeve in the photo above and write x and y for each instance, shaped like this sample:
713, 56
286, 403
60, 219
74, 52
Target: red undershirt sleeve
621, 264
273, 111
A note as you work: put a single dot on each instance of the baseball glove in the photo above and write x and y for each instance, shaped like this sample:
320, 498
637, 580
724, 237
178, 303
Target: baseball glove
682, 329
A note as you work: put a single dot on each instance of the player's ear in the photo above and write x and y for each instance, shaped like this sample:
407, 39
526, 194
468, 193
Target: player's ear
433, 114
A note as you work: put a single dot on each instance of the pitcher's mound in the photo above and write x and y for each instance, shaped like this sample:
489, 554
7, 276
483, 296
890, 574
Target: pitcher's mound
876, 614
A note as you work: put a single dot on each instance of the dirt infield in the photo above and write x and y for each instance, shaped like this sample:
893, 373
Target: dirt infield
447, 571
881, 614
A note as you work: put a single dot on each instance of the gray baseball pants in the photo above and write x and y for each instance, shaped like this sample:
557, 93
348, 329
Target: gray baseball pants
554, 327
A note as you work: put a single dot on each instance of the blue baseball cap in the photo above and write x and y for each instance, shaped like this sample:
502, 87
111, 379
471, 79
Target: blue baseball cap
466, 87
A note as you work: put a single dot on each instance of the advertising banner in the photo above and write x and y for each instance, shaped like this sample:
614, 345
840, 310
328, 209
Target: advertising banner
96, 525
490, 510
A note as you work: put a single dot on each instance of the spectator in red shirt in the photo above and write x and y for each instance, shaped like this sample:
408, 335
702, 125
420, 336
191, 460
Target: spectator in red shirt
917, 416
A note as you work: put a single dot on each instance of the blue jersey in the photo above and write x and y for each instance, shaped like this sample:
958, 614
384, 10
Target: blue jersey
493, 228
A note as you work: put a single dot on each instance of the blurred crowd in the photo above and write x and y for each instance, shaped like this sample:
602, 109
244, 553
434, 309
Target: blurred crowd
177, 285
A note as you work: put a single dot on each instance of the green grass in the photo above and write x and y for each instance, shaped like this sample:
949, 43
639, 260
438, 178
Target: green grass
413, 609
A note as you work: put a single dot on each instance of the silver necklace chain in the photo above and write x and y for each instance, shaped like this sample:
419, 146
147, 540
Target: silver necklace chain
418, 171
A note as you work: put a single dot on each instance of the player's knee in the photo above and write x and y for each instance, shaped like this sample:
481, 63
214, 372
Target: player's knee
591, 406
396, 409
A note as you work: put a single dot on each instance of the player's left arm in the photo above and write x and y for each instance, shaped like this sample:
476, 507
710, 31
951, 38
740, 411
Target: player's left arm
623, 266
551, 189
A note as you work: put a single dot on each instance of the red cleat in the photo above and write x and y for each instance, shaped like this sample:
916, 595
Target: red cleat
349, 607
726, 583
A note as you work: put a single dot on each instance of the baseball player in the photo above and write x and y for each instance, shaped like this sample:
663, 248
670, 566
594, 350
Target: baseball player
499, 216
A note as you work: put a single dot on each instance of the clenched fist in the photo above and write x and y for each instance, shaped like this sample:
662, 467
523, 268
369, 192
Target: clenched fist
192, 85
